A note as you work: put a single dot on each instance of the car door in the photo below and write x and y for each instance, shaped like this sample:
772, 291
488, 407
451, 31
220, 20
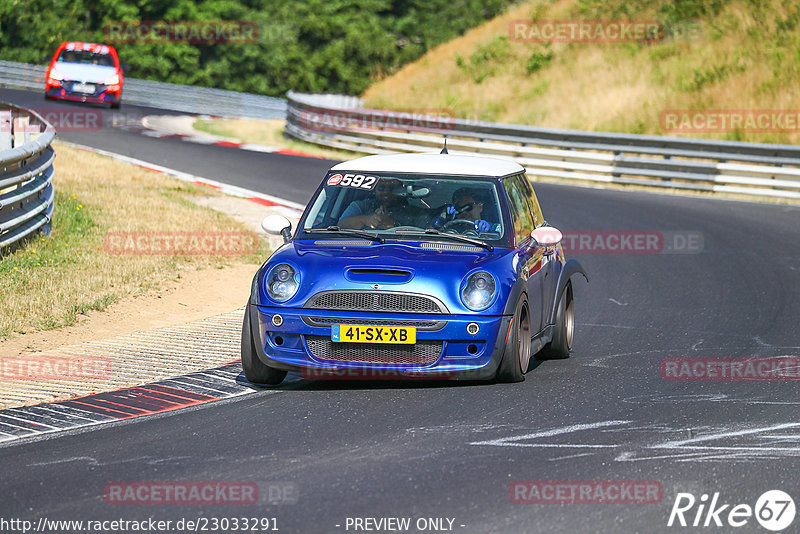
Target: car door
529, 258
550, 267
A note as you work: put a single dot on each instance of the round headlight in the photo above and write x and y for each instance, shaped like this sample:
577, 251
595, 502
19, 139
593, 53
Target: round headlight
282, 282
478, 290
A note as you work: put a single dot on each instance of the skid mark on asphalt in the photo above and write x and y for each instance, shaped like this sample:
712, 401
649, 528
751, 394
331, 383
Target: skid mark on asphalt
710, 397
751, 351
516, 441
656, 442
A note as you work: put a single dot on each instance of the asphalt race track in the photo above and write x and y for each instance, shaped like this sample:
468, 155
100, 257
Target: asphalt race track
438, 450
283, 176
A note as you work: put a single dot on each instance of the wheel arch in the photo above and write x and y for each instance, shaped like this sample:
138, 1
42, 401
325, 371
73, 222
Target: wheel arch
569, 269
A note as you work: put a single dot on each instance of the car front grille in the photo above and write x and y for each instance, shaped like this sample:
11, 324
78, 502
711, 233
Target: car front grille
418, 324
380, 301
419, 353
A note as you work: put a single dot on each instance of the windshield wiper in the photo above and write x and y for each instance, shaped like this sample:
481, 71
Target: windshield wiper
347, 231
457, 237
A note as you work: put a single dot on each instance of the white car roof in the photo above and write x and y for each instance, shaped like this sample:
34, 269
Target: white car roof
432, 164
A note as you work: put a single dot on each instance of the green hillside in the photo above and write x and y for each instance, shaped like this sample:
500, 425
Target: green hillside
742, 56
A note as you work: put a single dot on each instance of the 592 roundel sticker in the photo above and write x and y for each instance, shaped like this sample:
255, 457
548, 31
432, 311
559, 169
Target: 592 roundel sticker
359, 181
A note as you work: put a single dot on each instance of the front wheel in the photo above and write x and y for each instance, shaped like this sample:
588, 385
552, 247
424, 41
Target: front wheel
561, 345
517, 353
254, 369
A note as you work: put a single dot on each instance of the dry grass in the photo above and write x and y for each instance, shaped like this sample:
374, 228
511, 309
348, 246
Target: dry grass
744, 59
266, 132
48, 282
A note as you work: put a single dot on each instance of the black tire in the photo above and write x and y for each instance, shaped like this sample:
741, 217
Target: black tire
116, 104
561, 344
517, 353
254, 369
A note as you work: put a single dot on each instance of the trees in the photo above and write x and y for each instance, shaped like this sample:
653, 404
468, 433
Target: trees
337, 46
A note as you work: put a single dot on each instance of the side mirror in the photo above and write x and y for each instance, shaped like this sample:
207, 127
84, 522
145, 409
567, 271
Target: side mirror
125, 67
546, 236
278, 225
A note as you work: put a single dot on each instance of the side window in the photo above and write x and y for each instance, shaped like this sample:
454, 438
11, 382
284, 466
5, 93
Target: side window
538, 218
520, 213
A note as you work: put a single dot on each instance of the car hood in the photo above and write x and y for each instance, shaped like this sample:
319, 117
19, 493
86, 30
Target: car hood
84, 73
433, 271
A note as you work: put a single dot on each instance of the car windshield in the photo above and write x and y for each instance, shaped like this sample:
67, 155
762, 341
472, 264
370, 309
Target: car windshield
86, 58
393, 205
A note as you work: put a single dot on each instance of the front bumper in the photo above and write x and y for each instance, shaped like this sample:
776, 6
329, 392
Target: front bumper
459, 355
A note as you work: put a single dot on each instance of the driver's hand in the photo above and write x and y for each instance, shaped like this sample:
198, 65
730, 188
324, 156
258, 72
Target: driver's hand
447, 215
379, 219
482, 226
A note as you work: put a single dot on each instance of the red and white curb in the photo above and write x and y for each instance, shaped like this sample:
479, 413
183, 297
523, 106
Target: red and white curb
287, 207
152, 130
101, 408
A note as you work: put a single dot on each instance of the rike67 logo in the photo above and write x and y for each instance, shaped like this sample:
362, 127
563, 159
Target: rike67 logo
774, 510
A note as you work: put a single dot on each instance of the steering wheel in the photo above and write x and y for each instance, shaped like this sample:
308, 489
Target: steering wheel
460, 226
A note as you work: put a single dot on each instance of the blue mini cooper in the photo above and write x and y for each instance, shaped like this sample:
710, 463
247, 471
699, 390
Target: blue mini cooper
412, 266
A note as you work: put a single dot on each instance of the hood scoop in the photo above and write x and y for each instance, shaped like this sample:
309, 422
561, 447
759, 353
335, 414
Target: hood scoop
380, 275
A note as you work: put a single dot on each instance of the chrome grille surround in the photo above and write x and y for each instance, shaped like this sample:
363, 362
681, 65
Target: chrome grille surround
419, 353
376, 301
420, 324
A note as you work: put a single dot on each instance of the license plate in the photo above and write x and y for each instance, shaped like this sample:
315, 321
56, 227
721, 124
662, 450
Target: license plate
83, 87
359, 333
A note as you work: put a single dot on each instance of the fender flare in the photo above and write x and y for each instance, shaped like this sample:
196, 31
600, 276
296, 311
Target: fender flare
570, 268
513, 296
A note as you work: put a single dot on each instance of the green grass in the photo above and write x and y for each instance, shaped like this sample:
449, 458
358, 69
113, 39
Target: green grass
48, 282
72, 222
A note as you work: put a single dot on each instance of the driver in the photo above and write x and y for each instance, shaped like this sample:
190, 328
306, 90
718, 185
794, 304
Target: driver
378, 211
468, 206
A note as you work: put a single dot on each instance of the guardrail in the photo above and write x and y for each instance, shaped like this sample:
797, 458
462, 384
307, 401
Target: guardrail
185, 98
26, 174
646, 160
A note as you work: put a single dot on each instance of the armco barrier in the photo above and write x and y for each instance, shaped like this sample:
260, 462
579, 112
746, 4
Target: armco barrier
26, 174
645, 160
186, 98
